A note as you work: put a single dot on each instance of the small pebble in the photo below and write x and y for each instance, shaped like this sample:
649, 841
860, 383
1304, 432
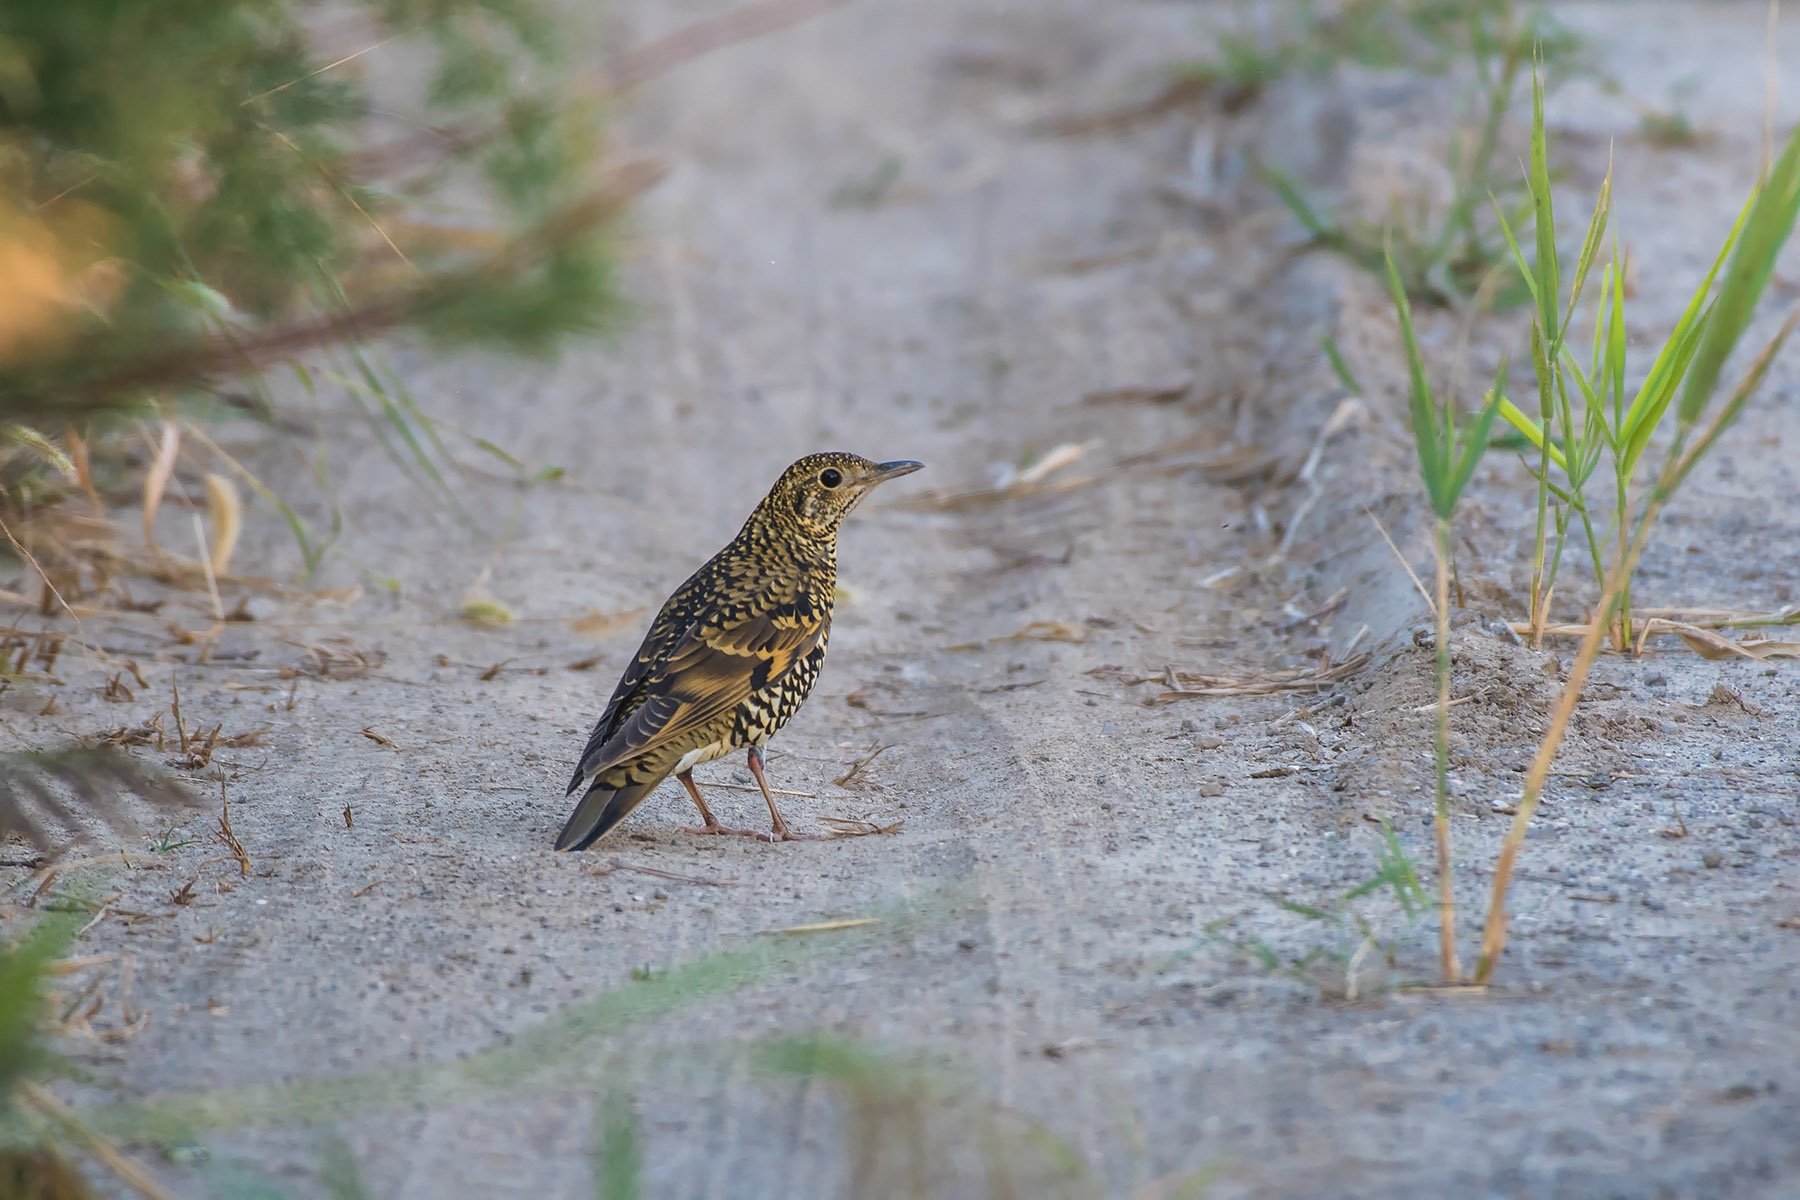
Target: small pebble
1212, 787
1712, 858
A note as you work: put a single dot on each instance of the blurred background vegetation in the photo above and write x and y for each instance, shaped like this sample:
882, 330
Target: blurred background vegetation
197, 197
195, 193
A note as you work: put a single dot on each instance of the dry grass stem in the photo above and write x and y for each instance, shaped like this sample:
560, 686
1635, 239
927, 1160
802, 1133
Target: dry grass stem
825, 926
1239, 464
1493, 938
1697, 628
1187, 686
338, 660
1404, 565
227, 837
619, 864
751, 787
107, 1154
163, 452
206, 568
1155, 393
856, 768
1451, 970
859, 826
744, 23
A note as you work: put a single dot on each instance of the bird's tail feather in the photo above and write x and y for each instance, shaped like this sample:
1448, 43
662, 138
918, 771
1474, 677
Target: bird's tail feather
600, 809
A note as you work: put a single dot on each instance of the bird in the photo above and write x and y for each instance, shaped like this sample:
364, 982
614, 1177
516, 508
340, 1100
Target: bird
731, 656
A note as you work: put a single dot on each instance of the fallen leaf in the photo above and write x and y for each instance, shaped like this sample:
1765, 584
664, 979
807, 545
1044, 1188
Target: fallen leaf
1712, 647
1163, 393
595, 623
486, 612
227, 516
1055, 460
1050, 631
156, 482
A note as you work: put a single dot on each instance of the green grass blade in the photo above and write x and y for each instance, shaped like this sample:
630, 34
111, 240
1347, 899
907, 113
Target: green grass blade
1518, 254
1565, 414
1596, 363
1475, 441
1651, 391
1590, 247
22, 965
1562, 494
1548, 284
1529, 427
1339, 367
1433, 461
339, 1174
1740, 397
1590, 401
1289, 194
1615, 347
1304, 910
1658, 392
1771, 220
618, 1159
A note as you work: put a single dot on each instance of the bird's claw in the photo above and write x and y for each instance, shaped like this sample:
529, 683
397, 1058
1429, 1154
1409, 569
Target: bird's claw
726, 830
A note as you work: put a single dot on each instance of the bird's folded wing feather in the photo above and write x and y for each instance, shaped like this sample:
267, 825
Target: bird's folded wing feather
625, 695
715, 667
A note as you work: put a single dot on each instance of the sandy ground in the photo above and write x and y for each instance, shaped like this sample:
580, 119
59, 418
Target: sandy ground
1042, 967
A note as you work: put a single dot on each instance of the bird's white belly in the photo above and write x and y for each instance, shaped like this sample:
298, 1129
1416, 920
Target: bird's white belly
704, 754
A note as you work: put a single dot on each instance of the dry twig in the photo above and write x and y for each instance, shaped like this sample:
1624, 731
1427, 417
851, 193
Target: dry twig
229, 839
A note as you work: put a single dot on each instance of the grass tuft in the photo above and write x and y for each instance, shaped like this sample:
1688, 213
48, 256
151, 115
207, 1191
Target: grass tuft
1688, 368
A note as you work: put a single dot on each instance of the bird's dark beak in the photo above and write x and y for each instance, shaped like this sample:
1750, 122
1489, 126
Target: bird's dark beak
890, 470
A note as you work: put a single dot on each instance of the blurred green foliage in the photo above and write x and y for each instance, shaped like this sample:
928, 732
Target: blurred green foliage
193, 190
1444, 257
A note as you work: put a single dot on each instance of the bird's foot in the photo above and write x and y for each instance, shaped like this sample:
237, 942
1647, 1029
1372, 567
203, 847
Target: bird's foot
781, 833
726, 830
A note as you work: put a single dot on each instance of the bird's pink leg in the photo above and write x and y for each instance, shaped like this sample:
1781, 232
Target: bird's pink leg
782, 833
712, 823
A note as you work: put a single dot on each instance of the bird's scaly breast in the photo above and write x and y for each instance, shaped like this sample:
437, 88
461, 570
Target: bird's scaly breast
766, 711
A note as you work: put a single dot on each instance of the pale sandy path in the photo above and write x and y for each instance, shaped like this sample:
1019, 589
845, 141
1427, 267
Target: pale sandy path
1054, 841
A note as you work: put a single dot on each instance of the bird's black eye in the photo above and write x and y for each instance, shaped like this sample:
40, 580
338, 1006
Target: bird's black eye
831, 477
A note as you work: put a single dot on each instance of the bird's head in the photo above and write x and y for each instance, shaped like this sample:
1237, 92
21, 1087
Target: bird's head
820, 490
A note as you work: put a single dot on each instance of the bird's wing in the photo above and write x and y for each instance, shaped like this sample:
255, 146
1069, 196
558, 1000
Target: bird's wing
624, 697
671, 623
718, 662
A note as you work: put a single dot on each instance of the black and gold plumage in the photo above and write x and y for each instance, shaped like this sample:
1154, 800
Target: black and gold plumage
731, 656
